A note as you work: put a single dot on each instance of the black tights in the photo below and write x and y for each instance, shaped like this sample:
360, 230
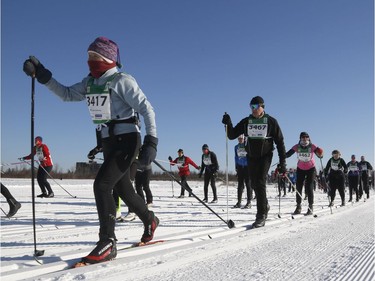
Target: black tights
119, 152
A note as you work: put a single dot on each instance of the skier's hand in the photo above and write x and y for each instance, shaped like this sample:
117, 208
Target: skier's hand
32, 67
319, 152
93, 152
282, 169
147, 154
226, 119
170, 159
21, 158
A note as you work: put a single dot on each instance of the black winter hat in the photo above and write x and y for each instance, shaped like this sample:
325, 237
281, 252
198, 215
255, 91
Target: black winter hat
257, 100
181, 150
303, 134
205, 146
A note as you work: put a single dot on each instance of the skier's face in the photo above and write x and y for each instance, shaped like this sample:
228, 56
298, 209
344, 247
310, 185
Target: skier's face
256, 110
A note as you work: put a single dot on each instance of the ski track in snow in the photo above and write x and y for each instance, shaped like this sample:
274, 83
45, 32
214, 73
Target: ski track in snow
338, 246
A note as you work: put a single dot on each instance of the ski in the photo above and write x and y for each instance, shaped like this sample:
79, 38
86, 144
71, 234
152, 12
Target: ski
82, 263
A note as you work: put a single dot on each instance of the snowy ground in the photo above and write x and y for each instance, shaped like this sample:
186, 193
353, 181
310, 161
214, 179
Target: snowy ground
199, 246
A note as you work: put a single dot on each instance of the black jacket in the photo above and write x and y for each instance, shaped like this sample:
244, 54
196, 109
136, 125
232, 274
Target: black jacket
257, 148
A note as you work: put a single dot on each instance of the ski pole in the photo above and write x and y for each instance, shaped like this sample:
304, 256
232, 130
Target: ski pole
300, 196
57, 182
53, 179
229, 223
226, 168
37, 253
170, 168
326, 184
279, 198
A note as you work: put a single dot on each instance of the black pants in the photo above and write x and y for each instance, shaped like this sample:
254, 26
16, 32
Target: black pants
183, 183
363, 184
42, 179
307, 177
142, 183
119, 153
209, 178
243, 179
353, 186
6, 193
337, 182
281, 185
258, 170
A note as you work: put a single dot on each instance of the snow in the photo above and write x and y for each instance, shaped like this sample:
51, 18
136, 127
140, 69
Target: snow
199, 245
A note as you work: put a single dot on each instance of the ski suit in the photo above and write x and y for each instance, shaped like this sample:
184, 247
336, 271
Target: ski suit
335, 171
183, 163
45, 166
119, 99
353, 178
262, 133
242, 170
306, 171
209, 166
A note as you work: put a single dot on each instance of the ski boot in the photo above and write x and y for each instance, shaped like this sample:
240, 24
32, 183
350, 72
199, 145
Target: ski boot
105, 250
298, 209
150, 227
309, 211
238, 205
14, 206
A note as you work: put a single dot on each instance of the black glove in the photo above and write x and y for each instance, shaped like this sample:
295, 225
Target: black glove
226, 119
282, 169
32, 67
170, 159
93, 152
147, 154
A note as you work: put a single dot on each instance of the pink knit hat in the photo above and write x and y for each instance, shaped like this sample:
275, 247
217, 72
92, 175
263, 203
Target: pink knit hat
107, 49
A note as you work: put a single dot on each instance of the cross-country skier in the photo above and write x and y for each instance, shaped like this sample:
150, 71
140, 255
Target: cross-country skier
242, 171
364, 179
306, 172
44, 158
335, 171
112, 98
209, 166
183, 163
354, 169
262, 131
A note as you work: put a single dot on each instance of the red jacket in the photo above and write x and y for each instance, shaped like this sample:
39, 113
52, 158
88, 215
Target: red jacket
183, 165
42, 155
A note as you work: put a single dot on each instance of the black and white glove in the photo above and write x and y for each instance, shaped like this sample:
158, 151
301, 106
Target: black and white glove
33, 68
147, 153
93, 152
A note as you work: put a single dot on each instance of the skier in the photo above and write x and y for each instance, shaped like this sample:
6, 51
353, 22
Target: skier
242, 171
113, 98
292, 177
183, 163
262, 131
281, 185
364, 184
335, 171
209, 166
353, 178
43, 155
306, 171
14, 205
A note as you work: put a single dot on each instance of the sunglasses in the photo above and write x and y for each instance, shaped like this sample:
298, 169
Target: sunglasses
255, 106
305, 137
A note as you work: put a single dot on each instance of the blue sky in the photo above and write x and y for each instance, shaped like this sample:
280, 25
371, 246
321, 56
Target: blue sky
311, 61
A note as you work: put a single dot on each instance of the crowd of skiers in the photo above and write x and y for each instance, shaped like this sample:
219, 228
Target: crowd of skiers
114, 100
